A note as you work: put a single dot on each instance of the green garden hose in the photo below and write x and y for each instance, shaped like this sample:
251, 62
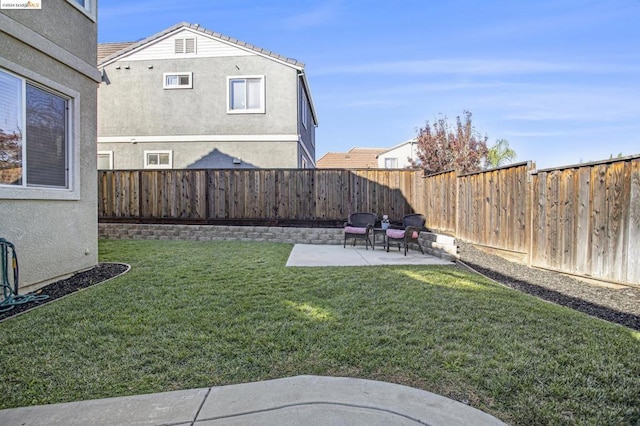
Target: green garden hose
11, 298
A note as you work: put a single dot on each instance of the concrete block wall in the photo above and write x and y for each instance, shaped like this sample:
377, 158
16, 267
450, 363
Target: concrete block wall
434, 244
439, 245
217, 232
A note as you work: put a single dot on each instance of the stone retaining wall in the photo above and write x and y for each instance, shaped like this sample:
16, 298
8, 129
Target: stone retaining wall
434, 244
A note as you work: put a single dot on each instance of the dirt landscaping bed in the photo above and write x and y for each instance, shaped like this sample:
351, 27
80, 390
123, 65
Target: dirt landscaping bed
617, 304
96, 275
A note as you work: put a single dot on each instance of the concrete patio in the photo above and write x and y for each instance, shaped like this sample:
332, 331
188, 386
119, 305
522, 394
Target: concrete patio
300, 400
337, 255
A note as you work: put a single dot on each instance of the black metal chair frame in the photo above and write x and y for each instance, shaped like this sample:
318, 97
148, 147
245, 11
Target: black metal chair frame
361, 220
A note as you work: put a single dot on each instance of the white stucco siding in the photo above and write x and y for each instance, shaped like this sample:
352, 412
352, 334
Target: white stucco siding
206, 47
402, 153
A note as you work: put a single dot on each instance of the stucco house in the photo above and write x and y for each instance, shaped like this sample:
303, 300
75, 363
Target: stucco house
48, 82
188, 97
399, 156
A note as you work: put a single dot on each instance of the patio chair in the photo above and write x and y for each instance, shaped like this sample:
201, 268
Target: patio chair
360, 225
412, 224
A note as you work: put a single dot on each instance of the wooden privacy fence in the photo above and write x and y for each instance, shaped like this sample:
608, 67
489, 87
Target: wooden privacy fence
582, 219
585, 220
277, 196
494, 208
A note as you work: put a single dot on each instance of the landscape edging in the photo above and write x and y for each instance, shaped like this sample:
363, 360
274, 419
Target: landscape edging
435, 244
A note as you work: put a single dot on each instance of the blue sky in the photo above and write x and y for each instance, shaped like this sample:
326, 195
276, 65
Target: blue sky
559, 79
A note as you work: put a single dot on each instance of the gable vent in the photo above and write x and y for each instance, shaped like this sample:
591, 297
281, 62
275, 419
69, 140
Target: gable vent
185, 45
190, 45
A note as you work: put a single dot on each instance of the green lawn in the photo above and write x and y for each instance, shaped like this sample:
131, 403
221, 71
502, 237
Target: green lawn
198, 314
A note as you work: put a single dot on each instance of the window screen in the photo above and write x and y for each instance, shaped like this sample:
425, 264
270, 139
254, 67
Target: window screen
46, 138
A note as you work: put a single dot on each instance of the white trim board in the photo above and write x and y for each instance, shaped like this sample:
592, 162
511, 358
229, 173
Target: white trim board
49, 48
199, 138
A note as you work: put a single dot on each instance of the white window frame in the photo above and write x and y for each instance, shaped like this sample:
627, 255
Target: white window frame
158, 166
110, 154
89, 8
72, 191
177, 86
260, 110
392, 160
184, 46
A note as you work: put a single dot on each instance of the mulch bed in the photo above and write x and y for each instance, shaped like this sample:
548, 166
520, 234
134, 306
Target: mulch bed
78, 281
617, 305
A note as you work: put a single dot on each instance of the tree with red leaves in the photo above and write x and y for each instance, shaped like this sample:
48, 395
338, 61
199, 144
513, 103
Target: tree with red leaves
10, 149
442, 148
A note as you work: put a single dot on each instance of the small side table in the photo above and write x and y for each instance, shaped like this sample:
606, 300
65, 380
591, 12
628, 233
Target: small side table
379, 231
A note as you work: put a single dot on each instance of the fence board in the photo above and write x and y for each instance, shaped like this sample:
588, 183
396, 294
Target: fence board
583, 231
633, 229
616, 247
598, 214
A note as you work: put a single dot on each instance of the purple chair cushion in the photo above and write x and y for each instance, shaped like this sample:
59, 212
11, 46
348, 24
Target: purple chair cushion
399, 233
395, 233
354, 230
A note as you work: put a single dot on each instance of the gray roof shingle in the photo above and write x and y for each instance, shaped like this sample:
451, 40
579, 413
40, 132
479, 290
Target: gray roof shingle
356, 158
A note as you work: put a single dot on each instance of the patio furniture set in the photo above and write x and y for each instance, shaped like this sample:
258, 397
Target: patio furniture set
365, 226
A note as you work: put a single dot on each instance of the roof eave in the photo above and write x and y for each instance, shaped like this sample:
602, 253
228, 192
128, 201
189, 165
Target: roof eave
220, 37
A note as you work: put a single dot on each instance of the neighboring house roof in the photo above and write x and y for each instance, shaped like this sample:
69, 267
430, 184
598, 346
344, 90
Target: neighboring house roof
107, 52
107, 49
356, 158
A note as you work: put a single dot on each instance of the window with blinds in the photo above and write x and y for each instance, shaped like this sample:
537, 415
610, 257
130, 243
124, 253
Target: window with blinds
46, 138
34, 135
11, 125
185, 45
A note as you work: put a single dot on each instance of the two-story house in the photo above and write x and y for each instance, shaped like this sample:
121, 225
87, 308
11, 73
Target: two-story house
188, 97
400, 156
48, 82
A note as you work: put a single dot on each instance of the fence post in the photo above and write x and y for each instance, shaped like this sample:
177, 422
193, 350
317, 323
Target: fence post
530, 185
457, 210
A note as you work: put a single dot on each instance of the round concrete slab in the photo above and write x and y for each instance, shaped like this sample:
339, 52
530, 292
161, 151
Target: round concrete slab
301, 400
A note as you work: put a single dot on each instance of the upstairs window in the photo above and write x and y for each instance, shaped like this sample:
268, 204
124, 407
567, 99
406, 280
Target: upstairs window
105, 160
305, 110
34, 135
158, 159
246, 94
88, 7
391, 163
178, 80
185, 46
